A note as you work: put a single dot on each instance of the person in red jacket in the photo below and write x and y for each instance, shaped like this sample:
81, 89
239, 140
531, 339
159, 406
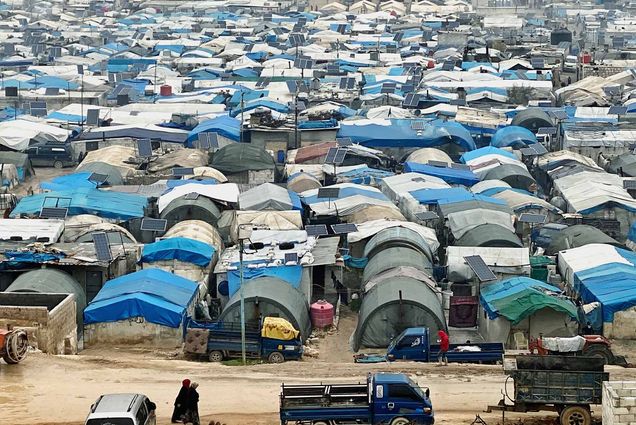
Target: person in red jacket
443, 347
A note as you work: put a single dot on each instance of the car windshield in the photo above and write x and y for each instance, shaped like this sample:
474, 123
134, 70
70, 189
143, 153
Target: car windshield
395, 341
417, 389
110, 421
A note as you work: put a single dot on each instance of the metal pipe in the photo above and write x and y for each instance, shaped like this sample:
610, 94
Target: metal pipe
242, 302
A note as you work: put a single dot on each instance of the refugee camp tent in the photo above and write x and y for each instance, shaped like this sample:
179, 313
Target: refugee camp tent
236, 158
513, 136
532, 119
516, 176
579, 235
269, 196
396, 256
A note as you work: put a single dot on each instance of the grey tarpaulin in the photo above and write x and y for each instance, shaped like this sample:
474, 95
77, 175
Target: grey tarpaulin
515, 175
181, 209
394, 305
397, 237
239, 157
268, 296
576, 236
490, 235
267, 196
395, 257
532, 119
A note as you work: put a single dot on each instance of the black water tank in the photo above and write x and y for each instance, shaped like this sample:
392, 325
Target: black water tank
560, 35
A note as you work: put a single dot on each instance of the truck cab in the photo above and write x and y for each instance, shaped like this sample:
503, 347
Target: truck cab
400, 401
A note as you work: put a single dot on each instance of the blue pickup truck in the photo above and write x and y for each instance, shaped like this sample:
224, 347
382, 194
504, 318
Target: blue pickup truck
386, 398
414, 344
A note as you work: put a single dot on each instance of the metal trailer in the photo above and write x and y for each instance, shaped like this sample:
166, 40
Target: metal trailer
562, 384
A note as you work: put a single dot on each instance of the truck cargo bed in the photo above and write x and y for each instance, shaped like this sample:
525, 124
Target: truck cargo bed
311, 396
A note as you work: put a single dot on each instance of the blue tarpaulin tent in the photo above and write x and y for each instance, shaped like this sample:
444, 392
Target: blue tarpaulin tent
487, 150
182, 249
156, 295
225, 126
449, 196
613, 285
69, 182
513, 136
449, 175
289, 274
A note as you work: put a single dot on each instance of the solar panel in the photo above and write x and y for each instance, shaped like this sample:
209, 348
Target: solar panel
528, 152
457, 102
331, 155
144, 148
550, 131
262, 82
303, 63
92, 117
407, 88
291, 257
538, 148
537, 63
182, 171
51, 91
248, 47
328, 192
560, 115
398, 37
617, 110
457, 166
343, 229
351, 83
629, 184
341, 28
387, 89
50, 212
480, 268
191, 196
316, 230
411, 100
417, 125
441, 164
333, 69
426, 215
296, 39
532, 218
340, 156
448, 66
56, 52
38, 109
154, 224
102, 247
344, 141
98, 178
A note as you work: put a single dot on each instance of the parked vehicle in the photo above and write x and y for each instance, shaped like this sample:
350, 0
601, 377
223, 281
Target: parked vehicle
261, 342
50, 154
386, 398
414, 344
590, 346
14, 345
562, 384
570, 63
122, 409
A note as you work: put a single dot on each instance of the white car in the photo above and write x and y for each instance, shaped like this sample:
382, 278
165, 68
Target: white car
122, 409
570, 63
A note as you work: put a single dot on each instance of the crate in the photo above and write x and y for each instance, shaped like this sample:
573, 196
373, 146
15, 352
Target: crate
557, 387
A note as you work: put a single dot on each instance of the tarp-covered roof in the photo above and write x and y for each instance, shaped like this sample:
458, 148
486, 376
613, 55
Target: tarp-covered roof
178, 248
520, 297
491, 235
269, 196
513, 136
532, 119
242, 157
449, 175
578, 235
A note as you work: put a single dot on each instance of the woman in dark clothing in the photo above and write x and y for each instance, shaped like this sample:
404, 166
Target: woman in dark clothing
180, 402
192, 406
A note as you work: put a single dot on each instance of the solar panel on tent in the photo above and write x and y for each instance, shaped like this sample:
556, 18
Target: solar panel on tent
457, 166
426, 215
56, 52
98, 178
549, 131
341, 28
407, 88
248, 47
528, 152
316, 230
629, 184
144, 148
411, 100
345, 82
333, 69
618, 42
344, 228
448, 66
92, 117
51, 91
50, 212
611, 90
328, 192
344, 141
391, 49
331, 155
38, 49
291, 257
386, 89
102, 247
480, 268
262, 82
538, 148
441, 164
532, 218
191, 196
340, 156
154, 224
38, 109
560, 115
182, 171
537, 63
304, 63
398, 37
417, 125
617, 110
9, 49
296, 39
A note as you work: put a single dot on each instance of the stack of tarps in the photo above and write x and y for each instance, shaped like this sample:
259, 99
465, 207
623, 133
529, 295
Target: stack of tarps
604, 274
504, 262
150, 305
109, 205
521, 304
269, 196
351, 198
399, 288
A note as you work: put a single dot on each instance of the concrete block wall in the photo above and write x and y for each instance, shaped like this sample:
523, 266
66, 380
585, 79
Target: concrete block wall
619, 403
61, 332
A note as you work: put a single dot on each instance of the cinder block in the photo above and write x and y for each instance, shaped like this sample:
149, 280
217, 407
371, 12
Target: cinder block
627, 418
621, 411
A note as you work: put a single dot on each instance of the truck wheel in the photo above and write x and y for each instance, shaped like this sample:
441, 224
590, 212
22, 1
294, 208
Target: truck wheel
600, 351
58, 164
400, 421
276, 357
216, 356
576, 415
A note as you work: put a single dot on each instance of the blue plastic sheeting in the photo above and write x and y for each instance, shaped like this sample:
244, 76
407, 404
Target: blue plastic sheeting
182, 249
631, 234
19, 259
487, 150
346, 192
400, 134
513, 136
260, 103
225, 126
59, 116
613, 285
356, 263
290, 274
449, 175
68, 182
330, 123
364, 175
177, 48
450, 196
156, 295
171, 184
105, 204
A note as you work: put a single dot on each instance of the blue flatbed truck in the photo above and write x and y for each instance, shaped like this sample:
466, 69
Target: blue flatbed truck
224, 342
414, 344
386, 398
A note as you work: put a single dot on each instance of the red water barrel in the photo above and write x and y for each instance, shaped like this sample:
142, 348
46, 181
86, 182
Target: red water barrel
586, 58
321, 313
165, 90
463, 312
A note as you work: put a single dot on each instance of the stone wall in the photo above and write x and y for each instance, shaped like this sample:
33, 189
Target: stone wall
619, 403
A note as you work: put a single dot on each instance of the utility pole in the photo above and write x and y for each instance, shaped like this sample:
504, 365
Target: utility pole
241, 124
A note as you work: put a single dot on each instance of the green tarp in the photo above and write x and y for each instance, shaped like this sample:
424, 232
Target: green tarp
239, 157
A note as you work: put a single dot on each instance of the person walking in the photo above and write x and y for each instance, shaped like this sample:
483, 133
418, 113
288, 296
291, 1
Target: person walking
180, 402
192, 406
443, 347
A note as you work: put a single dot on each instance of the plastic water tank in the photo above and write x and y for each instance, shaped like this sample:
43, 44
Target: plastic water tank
166, 90
321, 313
